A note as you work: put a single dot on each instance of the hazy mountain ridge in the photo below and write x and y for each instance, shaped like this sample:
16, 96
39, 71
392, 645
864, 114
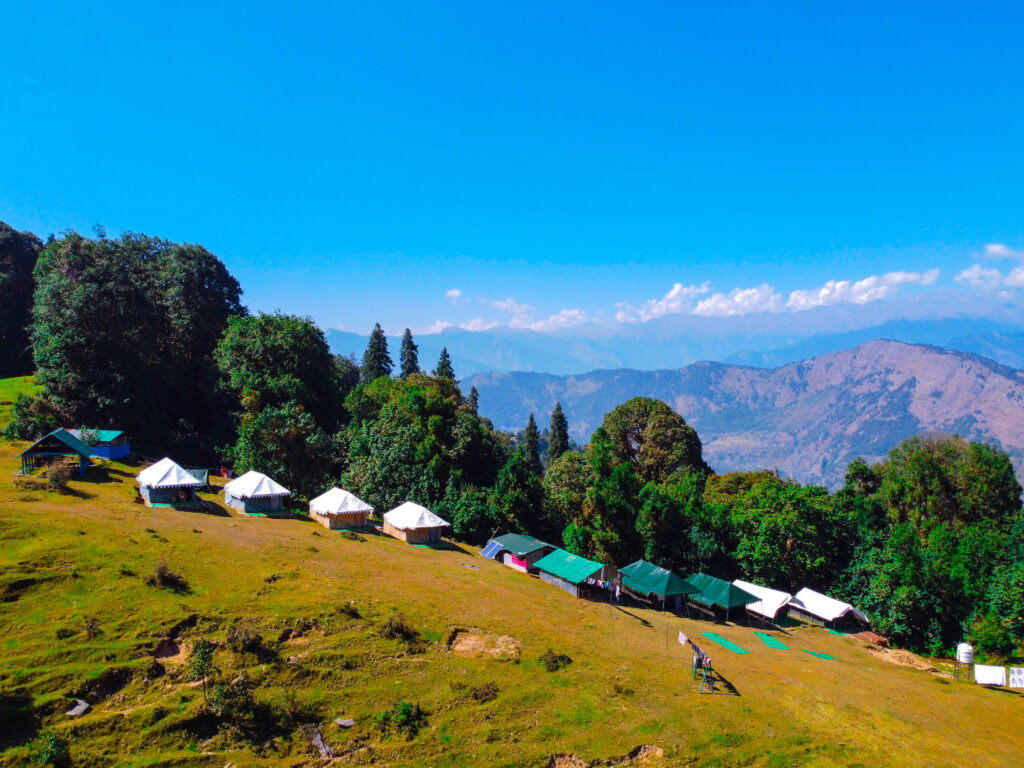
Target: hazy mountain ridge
769, 340
806, 419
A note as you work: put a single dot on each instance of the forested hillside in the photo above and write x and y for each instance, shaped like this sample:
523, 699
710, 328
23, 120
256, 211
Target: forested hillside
924, 532
807, 420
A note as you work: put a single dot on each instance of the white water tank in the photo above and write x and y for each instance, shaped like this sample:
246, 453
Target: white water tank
965, 653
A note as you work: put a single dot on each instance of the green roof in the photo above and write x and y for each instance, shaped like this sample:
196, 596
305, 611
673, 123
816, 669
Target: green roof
568, 566
650, 579
719, 592
102, 435
520, 545
65, 437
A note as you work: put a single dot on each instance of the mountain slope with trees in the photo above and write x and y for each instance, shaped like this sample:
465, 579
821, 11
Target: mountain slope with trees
808, 420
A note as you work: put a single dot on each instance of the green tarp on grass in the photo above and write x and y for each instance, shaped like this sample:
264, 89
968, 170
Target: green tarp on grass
724, 643
770, 641
821, 655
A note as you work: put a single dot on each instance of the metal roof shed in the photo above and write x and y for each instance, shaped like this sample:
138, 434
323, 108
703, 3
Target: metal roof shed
566, 570
59, 443
521, 552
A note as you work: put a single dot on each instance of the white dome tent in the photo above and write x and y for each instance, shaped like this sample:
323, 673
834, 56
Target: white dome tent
413, 524
256, 494
166, 484
338, 509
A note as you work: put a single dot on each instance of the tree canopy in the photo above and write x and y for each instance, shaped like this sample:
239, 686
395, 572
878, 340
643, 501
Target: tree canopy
123, 334
18, 254
376, 360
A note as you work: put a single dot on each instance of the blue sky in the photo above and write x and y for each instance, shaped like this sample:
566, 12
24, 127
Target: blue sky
539, 165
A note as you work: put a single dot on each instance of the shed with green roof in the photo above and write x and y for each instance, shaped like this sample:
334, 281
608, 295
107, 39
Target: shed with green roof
521, 552
568, 571
107, 443
60, 445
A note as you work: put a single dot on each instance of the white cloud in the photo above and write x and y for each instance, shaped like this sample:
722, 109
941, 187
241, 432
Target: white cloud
477, 324
564, 319
1000, 251
980, 277
741, 301
1016, 278
454, 296
679, 299
510, 305
863, 291
437, 327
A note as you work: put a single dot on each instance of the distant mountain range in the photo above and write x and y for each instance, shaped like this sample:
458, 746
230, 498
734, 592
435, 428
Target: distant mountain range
765, 340
809, 419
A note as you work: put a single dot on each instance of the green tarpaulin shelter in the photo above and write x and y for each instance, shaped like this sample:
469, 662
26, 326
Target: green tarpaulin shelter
59, 443
718, 592
649, 579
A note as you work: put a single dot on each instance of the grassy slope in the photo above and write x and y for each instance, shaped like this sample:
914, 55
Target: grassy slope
9, 391
88, 554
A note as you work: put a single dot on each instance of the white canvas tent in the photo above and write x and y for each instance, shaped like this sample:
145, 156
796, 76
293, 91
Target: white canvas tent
770, 601
254, 493
337, 508
166, 483
808, 605
413, 524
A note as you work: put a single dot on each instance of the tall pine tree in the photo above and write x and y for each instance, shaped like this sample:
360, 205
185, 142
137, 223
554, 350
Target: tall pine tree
444, 366
473, 401
558, 438
531, 444
376, 360
408, 358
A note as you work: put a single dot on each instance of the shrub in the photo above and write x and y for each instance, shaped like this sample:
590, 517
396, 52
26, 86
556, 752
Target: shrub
163, 576
397, 627
235, 700
57, 475
63, 633
352, 536
554, 661
991, 637
484, 693
48, 748
349, 609
402, 718
244, 639
92, 627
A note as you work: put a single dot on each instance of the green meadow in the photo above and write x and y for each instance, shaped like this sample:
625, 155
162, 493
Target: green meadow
326, 625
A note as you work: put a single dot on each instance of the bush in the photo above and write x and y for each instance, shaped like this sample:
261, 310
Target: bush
58, 474
484, 693
200, 661
163, 576
48, 748
397, 627
235, 700
352, 536
991, 637
244, 639
402, 718
554, 661
63, 633
32, 418
349, 609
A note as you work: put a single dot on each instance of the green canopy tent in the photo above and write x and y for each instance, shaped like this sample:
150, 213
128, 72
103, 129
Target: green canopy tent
718, 592
647, 579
